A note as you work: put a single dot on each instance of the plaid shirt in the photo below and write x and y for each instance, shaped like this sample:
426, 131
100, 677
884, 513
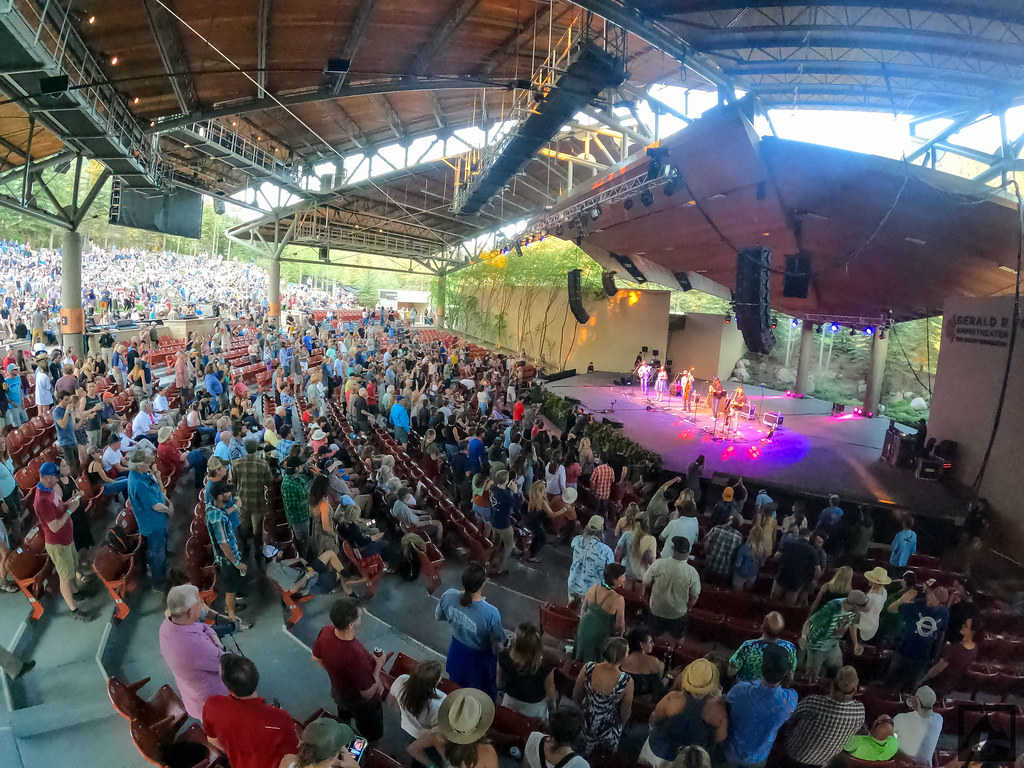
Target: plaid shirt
295, 494
601, 480
820, 727
722, 543
252, 476
221, 531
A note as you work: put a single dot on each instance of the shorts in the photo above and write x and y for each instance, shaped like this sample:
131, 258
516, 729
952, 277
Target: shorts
831, 659
64, 558
674, 627
230, 579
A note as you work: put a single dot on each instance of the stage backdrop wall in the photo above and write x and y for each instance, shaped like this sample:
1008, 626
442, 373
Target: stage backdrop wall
972, 359
706, 343
539, 323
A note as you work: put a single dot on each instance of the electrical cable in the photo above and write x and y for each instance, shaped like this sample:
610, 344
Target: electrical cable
1014, 322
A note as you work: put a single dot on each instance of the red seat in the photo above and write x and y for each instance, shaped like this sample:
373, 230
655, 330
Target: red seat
403, 665
292, 604
559, 621
125, 696
512, 729
374, 758
431, 561
370, 568
30, 567
114, 570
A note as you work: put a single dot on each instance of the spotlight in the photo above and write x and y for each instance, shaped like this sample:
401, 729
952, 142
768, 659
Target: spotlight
628, 204
775, 323
113, 61
796, 323
833, 328
92, 19
869, 331
673, 179
595, 212
647, 198
136, 100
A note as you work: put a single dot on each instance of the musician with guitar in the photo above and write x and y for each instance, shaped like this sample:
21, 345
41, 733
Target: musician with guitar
685, 382
716, 392
643, 372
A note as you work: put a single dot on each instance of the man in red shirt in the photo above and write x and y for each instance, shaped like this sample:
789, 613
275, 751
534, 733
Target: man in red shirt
252, 733
58, 534
354, 673
518, 410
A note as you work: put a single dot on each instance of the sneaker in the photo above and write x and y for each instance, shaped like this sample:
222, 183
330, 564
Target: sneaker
79, 615
241, 625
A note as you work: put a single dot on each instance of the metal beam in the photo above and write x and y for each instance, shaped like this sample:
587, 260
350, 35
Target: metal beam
568, 158
440, 37
968, 152
607, 118
1007, 163
354, 39
944, 134
360, 266
1009, 13
32, 211
398, 84
172, 54
627, 16
510, 44
83, 209
262, 46
435, 105
393, 119
58, 208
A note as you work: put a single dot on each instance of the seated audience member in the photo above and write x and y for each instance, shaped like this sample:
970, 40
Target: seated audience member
877, 745
324, 744
822, 725
459, 738
291, 575
417, 698
248, 730
918, 731
646, 669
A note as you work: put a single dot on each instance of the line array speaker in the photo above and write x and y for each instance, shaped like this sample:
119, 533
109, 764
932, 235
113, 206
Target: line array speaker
576, 297
325, 254
798, 276
608, 281
752, 299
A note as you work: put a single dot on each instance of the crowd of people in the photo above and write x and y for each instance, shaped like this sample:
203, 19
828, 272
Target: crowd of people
530, 486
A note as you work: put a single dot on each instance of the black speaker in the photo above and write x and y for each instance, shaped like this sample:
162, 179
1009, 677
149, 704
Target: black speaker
797, 277
684, 281
576, 296
608, 281
325, 254
752, 299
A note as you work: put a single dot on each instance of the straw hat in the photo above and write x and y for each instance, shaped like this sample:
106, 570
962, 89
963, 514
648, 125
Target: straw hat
700, 677
878, 575
164, 434
595, 524
465, 715
569, 496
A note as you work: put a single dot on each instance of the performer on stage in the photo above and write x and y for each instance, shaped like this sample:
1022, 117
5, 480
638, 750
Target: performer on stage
661, 383
737, 405
643, 372
686, 389
716, 392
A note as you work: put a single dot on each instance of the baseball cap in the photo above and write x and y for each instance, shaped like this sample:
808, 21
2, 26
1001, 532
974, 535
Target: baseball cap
49, 468
181, 598
857, 599
325, 738
12, 367
215, 463
925, 696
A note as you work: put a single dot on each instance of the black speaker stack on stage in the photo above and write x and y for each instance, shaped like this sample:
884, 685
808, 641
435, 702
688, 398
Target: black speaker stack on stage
752, 299
608, 281
576, 297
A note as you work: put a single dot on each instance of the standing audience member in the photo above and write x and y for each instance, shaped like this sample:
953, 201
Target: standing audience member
477, 634
602, 614
151, 513
527, 682
590, 555
191, 649
354, 672
721, 545
745, 665
604, 694
757, 709
231, 569
819, 640
798, 568
904, 545
249, 731
925, 619
675, 589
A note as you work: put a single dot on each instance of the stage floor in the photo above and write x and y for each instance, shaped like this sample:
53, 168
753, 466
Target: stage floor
811, 451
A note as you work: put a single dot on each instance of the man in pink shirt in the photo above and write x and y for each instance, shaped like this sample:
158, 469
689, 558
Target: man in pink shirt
191, 649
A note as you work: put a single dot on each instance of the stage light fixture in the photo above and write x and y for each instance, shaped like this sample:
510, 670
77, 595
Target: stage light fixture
628, 204
817, 329
728, 319
869, 331
595, 213
647, 198
853, 331
92, 19
881, 333
113, 61
834, 328
796, 323
673, 180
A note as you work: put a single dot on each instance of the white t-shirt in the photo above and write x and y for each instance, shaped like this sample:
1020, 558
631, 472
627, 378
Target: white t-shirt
111, 456
918, 735
687, 527
867, 627
414, 726
533, 757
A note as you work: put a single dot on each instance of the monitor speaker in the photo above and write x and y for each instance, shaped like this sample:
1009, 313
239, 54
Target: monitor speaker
576, 296
608, 281
797, 277
752, 299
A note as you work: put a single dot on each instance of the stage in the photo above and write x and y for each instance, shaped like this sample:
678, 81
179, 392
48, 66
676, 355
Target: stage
812, 451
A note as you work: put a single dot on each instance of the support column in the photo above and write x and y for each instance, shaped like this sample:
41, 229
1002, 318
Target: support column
803, 364
274, 300
876, 371
72, 318
442, 297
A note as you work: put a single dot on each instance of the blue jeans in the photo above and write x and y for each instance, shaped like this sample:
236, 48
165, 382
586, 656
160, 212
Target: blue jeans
196, 460
114, 487
16, 415
156, 556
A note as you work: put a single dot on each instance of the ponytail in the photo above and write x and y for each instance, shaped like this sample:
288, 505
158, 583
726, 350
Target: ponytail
473, 579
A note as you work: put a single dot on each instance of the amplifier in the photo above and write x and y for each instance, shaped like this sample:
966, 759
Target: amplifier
929, 469
772, 419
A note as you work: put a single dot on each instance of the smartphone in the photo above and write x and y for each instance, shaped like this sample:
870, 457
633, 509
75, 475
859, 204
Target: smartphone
357, 748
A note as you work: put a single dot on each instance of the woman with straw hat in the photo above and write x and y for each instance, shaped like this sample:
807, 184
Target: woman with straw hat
693, 716
878, 579
462, 723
